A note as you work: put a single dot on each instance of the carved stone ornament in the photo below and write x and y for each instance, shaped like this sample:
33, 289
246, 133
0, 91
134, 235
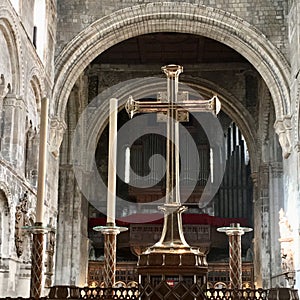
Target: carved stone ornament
57, 129
284, 130
22, 219
287, 248
4, 88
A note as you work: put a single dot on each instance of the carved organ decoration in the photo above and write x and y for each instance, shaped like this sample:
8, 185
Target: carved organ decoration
287, 248
22, 219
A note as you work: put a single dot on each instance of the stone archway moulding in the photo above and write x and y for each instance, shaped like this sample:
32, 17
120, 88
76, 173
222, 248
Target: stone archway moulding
176, 17
10, 30
7, 193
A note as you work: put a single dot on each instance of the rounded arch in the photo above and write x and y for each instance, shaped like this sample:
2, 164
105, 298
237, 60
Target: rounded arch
143, 87
5, 189
177, 17
9, 28
36, 85
5, 219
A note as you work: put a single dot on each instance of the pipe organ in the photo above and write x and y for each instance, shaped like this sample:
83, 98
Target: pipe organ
234, 197
151, 144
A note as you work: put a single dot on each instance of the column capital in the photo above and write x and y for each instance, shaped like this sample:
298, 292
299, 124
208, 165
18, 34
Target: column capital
283, 128
57, 130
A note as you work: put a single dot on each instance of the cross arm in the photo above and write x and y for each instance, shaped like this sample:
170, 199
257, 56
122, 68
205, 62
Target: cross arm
212, 105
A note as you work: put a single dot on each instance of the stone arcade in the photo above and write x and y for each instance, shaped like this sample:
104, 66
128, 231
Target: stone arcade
75, 52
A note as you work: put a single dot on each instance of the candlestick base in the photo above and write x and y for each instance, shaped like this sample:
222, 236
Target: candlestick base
110, 233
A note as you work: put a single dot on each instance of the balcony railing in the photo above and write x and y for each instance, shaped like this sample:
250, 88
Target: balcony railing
164, 291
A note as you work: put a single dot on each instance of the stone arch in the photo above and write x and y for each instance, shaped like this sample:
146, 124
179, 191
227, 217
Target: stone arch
5, 219
6, 191
140, 88
37, 88
176, 17
9, 29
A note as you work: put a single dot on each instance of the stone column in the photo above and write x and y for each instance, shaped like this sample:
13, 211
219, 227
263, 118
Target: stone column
276, 203
19, 144
297, 227
8, 117
262, 239
13, 130
71, 246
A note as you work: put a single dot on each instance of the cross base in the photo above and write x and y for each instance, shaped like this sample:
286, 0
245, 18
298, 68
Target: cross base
171, 255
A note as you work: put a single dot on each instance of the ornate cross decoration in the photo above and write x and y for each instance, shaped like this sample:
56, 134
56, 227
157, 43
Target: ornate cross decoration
173, 111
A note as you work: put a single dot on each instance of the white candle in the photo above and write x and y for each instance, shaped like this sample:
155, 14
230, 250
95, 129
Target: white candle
112, 162
127, 165
42, 161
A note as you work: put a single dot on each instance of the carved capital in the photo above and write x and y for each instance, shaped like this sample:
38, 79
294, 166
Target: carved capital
283, 128
10, 100
4, 88
57, 129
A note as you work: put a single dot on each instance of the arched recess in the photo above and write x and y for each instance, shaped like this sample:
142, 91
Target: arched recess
5, 219
172, 17
10, 31
33, 104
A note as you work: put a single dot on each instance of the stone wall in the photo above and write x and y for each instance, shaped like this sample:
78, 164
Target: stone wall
25, 80
267, 16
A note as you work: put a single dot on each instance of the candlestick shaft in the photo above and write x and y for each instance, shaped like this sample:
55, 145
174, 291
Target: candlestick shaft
42, 161
110, 257
37, 265
235, 261
112, 161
